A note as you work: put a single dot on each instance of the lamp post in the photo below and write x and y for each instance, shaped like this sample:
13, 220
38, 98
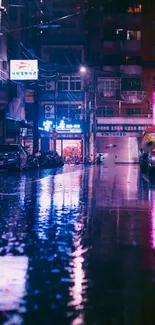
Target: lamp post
94, 115
83, 69
55, 107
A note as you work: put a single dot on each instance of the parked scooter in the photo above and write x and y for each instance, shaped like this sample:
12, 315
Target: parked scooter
87, 161
51, 159
77, 162
98, 160
33, 161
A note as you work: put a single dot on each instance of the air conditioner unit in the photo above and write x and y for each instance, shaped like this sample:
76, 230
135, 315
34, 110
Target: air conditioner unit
78, 117
49, 111
50, 85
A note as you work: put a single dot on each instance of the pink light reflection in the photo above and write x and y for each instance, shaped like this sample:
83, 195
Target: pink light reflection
153, 227
153, 106
13, 271
44, 205
78, 276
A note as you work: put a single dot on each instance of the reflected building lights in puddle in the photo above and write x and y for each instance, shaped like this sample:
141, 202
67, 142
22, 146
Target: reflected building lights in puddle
22, 191
153, 221
132, 179
58, 200
78, 276
44, 204
67, 196
13, 270
67, 193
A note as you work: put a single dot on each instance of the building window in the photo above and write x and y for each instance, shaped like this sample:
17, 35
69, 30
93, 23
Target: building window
134, 35
106, 111
133, 111
69, 111
63, 83
69, 83
135, 9
62, 111
75, 83
131, 84
134, 60
108, 84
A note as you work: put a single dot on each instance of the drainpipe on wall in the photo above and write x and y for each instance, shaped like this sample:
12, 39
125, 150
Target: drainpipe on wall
35, 121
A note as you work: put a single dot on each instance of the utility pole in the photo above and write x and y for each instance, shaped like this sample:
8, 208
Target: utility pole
94, 115
35, 120
55, 108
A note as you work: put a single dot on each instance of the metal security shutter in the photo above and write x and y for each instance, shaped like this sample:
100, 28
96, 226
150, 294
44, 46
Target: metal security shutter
126, 150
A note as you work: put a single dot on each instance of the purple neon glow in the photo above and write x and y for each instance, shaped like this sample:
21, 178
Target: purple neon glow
153, 106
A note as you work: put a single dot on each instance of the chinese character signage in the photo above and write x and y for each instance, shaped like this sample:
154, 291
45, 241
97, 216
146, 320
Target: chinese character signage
23, 69
68, 128
121, 128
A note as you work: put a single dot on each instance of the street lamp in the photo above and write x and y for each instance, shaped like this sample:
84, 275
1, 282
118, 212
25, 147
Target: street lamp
83, 70
94, 115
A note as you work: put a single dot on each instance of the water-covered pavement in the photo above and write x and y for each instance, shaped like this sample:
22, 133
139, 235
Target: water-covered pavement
77, 247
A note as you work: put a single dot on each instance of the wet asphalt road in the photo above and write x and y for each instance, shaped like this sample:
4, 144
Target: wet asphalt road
77, 247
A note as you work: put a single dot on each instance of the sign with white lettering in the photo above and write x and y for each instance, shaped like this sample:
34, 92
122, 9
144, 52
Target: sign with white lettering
121, 128
68, 128
112, 134
23, 69
63, 136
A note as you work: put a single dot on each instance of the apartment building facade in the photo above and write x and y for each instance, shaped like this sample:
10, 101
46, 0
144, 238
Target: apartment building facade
58, 42
123, 65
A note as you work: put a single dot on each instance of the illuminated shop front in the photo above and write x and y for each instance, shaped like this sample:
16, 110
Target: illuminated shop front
70, 149
68, 138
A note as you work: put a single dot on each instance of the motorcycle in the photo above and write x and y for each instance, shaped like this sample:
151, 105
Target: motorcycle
87, 161
77, 162
33, 161
51, 159
98, 161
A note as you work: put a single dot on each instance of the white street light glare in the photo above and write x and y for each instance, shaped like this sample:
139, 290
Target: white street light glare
83, 69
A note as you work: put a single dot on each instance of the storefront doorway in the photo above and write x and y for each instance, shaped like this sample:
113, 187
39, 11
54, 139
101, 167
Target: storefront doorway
70, 149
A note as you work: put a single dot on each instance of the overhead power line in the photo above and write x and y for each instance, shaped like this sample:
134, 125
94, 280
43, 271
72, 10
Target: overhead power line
51, 21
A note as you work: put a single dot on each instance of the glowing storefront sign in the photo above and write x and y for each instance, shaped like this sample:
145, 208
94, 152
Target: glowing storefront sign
23, 69
62, 127
47, 125
69, 128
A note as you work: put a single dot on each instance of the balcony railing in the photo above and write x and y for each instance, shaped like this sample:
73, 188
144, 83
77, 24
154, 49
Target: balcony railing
124, 19
134, 96
128, 47
111, 114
